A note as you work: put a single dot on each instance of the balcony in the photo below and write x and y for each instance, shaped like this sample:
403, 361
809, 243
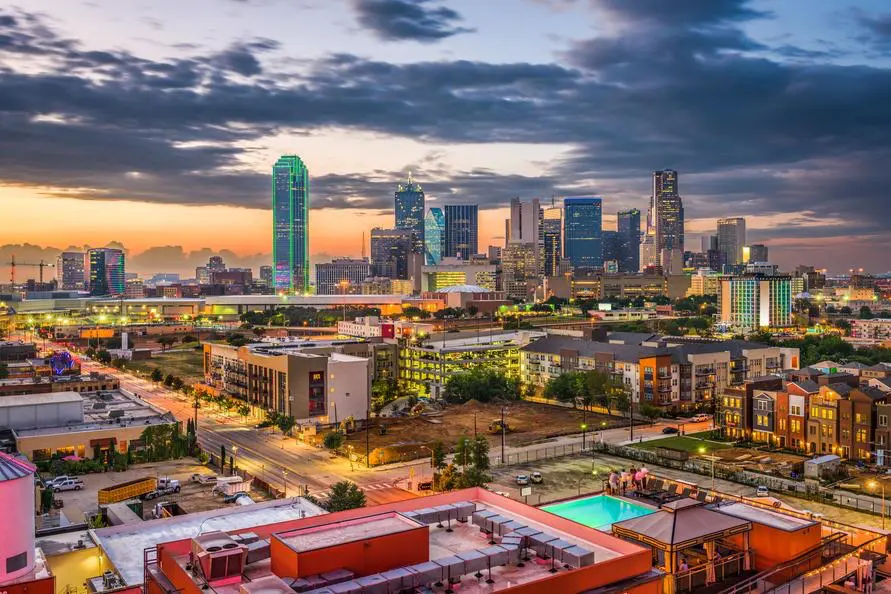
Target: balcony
664, 375
706, 371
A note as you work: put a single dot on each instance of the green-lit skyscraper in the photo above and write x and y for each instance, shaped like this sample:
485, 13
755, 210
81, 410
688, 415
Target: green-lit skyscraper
290, 212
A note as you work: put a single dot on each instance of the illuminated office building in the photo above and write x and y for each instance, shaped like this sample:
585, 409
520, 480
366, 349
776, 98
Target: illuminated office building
461, 230
106, 271
434, 236
290, 211
410, 212
582, 227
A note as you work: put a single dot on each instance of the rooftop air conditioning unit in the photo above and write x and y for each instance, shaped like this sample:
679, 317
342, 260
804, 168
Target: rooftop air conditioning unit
220, 558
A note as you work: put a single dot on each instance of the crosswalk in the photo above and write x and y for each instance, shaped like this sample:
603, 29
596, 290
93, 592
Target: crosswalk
376, 486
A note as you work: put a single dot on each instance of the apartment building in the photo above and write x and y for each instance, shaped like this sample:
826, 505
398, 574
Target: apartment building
858, 421
319, 381
665, 371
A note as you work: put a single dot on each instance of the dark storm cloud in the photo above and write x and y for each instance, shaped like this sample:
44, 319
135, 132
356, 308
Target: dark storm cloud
408, 20
877, 28
750, 133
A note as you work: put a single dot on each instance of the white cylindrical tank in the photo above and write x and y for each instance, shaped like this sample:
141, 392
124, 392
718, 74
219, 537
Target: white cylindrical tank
16, 518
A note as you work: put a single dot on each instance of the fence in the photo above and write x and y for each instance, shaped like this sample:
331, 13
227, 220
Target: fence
543, 453
836, 497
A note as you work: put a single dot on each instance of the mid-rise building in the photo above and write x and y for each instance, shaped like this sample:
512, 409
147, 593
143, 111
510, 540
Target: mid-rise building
751, 301
461, 230
290, 212
72, 270
704, 282
519, 270
216, 263
107, 272
266, 276
628, 229
453, 271
391, 251
874, 331
731, 239
134, 289
434, 236
202, 275
342, 276
673, 373
755, 253
318, 381
410, 212
552, 241
426, 363
582, 228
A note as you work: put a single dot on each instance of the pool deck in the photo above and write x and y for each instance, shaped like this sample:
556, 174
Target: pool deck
606, 526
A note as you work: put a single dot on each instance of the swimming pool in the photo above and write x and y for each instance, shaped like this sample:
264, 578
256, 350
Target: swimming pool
599, 511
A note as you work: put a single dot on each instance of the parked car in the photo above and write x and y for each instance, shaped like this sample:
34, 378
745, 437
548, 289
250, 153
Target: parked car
72, 484
537, 478
522, 479
425, 486
234, 496
762, 491
700, 418
669, 430
57, 479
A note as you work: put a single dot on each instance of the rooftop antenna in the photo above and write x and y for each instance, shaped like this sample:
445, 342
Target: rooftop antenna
409, 176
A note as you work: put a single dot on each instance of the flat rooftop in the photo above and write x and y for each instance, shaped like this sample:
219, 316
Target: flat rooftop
329, 535
124, 544
40, 399
767, 517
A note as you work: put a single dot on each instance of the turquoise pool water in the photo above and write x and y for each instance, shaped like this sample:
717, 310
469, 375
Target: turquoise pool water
599, 511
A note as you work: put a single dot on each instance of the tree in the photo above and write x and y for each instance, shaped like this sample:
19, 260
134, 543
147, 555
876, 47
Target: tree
103, 357
168, 381
480, 452
344, 495
865, 313
286, 423
415, 312
189, 338
438, 455
333, 440
243, 410
566, 387
157, 375
166, 342
484, 385
623, 402
463, 453
237, 340
649, 411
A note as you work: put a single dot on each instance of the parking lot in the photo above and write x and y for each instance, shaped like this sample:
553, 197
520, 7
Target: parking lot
193, 497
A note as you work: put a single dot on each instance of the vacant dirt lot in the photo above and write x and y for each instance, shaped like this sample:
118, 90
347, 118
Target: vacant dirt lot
529, 423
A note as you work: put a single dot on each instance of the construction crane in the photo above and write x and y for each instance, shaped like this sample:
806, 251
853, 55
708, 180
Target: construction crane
12, 264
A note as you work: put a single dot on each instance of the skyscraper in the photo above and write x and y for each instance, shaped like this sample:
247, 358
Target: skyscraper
106, 271
461, 230
290, 211
72, 270
434, 236
524, 221
756, 253
410, 212
390, 251
629, 240
731, 239
667, 213
583, 240
611, 245
552, 240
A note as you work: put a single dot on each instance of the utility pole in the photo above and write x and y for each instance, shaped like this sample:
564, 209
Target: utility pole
503, 431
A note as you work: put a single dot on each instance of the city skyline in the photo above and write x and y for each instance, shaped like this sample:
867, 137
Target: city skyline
146, 132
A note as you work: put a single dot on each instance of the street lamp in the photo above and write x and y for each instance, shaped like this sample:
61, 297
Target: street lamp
873, 485
285, 480
234, 456
702, 450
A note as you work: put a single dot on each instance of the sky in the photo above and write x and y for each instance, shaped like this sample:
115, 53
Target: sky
154, 124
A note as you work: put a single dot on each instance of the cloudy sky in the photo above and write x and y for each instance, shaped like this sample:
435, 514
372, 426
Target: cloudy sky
155, 123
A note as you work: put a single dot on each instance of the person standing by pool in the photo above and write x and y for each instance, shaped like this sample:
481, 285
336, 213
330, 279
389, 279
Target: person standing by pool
613, 482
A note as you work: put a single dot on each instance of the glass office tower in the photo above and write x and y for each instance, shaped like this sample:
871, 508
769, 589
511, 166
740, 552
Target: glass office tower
628, 227
461, 230
434, 236
290, 211
410, 212
107, 272
582, 228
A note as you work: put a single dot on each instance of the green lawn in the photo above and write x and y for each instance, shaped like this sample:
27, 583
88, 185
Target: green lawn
678, 442
186, 364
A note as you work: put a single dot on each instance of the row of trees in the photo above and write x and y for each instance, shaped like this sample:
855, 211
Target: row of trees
835, 348
483, 385
304, 316
469, 468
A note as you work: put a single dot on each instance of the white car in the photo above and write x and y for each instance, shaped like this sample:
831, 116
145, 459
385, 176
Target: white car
71, 484
700, 418
522, 479
57, 479
762, 491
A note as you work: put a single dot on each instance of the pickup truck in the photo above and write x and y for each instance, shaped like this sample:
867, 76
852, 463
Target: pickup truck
72, 484
204, 479
165, 487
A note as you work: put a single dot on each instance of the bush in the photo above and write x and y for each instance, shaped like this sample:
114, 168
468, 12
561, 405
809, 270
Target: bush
333, 440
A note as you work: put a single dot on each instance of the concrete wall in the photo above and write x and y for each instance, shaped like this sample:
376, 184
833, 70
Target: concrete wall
348, 387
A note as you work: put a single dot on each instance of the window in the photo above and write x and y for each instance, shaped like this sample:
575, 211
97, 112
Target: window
883, 420
16, 562
859, 418
782, 424
812, 429
862, 435
795, 425
815, 412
